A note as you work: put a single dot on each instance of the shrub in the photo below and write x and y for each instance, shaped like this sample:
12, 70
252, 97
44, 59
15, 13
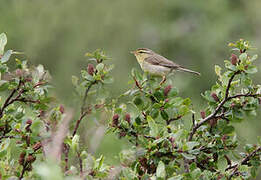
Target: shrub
36, 141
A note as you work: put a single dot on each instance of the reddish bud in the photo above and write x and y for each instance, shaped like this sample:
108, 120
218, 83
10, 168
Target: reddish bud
233, 59
166, 100
122, 134
246, 67
167, 90
232, 105
115, 120
203, 114
37, 146
21, 158
29, 121
213, 122
61, 109
215, 97
128, 118
30, 158
90, 69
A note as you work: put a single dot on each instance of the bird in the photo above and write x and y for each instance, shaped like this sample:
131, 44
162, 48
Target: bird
156, 64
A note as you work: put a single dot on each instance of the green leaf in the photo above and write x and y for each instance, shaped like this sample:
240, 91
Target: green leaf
160, 172
164, 115
222, 164
254, 58
138, 102
251, 69
75, 80
243, 56
75, 142
173, 92
192, 144
4, 144
196, 173
153, 127
6, 56
218, 70
100, 67
108, 80
188, 156
3, 42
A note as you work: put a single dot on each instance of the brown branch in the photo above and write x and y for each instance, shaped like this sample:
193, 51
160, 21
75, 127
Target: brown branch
7, 101
23, 170
83, 111
220, 105
80, 163
244, 161
173, 119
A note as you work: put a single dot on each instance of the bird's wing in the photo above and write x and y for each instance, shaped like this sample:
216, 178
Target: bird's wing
161, 61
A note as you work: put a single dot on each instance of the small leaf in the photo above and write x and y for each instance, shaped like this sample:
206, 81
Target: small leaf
3, 42
188, 156
6, 56
160, 172
100, 67
243, 56
192, 144
218, 70
164, 115
75, 80
153, 126
75, 142
222, 164
251, 69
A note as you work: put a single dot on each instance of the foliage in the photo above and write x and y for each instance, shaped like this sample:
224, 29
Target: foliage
36, 140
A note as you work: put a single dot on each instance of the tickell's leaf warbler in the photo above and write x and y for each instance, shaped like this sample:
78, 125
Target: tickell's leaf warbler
156, 64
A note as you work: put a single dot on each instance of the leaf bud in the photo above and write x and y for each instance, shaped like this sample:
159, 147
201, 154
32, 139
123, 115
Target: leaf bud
122, 134
167, 90
233, 59
37, 146
90, 69
21, 158
115, 120
128, 118
30, 158
215, 97
29, 121
203, 114
213, 122
61, 109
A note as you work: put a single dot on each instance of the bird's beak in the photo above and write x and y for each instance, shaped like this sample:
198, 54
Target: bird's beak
132, 52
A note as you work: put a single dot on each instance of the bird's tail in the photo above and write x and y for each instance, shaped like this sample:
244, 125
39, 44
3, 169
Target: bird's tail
188, 70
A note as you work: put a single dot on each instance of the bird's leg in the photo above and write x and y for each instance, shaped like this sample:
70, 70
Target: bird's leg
163, 80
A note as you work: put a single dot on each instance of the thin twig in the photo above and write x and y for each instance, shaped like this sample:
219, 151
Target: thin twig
220, 105
244, 161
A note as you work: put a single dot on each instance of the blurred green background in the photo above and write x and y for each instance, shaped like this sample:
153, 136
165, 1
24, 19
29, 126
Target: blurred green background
57, 33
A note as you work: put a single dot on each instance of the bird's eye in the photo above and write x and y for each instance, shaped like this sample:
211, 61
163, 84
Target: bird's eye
141, 52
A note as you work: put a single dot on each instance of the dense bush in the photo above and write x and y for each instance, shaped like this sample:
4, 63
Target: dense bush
169, 139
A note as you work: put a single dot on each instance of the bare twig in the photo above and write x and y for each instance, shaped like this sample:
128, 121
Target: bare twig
83, 111
244, 161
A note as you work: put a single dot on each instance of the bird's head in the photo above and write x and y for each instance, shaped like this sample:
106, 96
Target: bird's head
142, 53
